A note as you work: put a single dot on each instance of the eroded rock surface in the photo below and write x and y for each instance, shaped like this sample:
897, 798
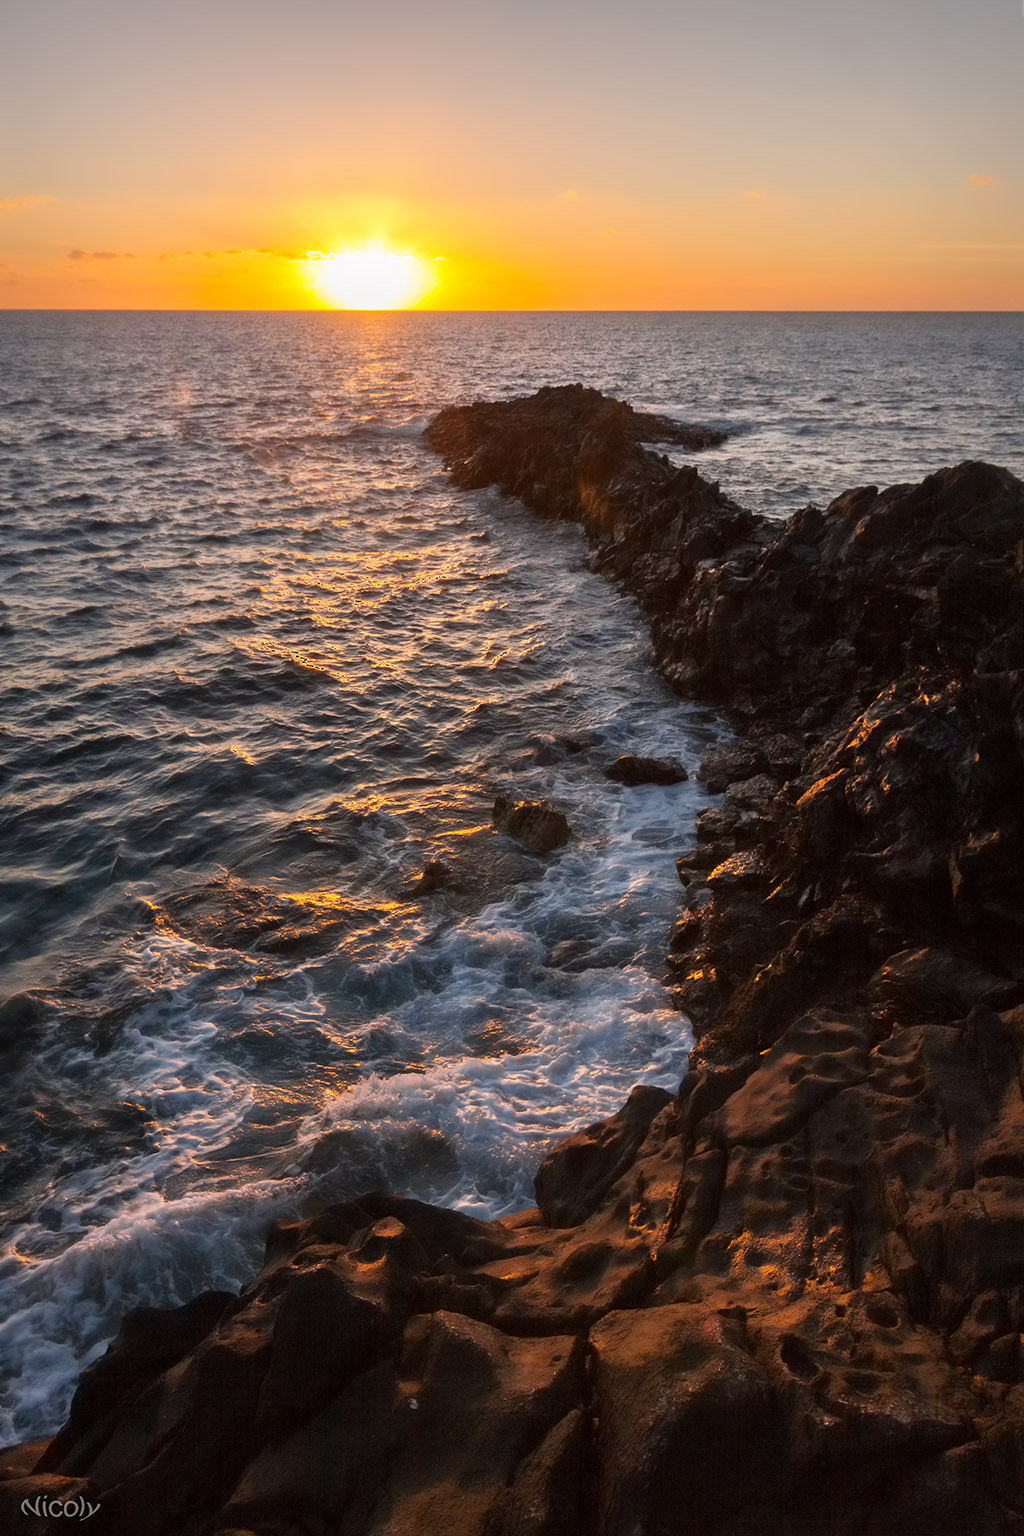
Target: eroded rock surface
788, 1301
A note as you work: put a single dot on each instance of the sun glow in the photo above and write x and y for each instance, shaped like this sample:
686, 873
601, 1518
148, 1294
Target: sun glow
369, 278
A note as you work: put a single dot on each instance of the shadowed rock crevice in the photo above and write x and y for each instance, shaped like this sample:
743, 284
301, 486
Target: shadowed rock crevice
789, 1300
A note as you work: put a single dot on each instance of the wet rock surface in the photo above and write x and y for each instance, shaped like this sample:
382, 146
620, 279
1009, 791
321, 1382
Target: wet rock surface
632, 771
789, 1300
535, 825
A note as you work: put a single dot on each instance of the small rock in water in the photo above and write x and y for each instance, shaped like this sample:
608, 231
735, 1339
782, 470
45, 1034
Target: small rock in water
20, 1019
646, 770
535, 824
436, 876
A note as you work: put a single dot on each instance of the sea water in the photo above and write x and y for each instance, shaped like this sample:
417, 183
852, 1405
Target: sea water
262, 664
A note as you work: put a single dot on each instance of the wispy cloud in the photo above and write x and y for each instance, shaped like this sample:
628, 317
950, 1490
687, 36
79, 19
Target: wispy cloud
978, 245
31, 200
79, 255
754, 195
983, 181
281, 255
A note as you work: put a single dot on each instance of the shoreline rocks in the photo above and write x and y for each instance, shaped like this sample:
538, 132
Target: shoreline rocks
789, 1300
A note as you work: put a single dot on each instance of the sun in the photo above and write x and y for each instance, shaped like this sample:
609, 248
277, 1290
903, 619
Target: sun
372, 277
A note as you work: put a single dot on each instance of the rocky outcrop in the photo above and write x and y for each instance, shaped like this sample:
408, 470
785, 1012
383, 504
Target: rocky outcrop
789, 1300
873, 655
574, 454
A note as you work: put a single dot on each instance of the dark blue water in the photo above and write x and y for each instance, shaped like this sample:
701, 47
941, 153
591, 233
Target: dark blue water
262, 663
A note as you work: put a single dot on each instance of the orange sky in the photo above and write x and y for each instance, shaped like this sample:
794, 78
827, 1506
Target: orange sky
554, 156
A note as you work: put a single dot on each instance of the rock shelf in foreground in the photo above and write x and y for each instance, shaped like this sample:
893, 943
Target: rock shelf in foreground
788, 1301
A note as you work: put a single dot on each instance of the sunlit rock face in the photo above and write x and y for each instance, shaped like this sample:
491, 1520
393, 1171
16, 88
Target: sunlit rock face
789, 1299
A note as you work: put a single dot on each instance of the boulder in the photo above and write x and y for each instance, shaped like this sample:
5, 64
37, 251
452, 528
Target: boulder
646, 770
535, 824
728, 765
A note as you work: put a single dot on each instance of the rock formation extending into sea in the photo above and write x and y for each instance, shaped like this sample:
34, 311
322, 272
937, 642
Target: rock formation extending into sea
788, 1301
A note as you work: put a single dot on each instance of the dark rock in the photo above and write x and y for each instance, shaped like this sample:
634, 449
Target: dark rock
783, 755
21, 1019
535, 824
37, 1505
449, 1465
717, 823
685, 931
728, 765
150, 1341
767, 1277
436, 876
683, 1412
754, 794
573, 1178
646, 770
930, 984
21, 1460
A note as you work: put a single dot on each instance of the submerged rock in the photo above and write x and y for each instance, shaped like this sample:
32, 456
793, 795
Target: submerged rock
228, 913
435, 876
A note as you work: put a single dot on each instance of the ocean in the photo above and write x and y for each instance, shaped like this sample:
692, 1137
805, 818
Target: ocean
263, 664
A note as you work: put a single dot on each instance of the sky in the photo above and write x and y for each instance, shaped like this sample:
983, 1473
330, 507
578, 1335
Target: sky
547, 154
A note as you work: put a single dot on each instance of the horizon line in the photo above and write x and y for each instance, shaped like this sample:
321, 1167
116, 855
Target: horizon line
40, 309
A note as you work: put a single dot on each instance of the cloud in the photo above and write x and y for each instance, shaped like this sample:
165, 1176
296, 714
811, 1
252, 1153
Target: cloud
978, 245
12, 204
281, 255
570, 195
983, 181
79, 255
754, 195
